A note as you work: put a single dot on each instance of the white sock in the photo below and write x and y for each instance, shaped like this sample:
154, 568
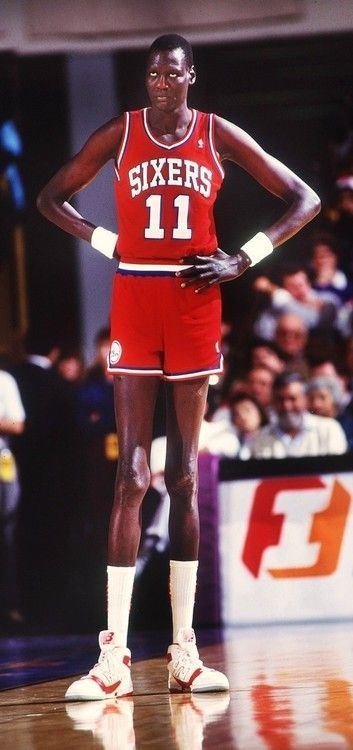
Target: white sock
120, 584
182, 586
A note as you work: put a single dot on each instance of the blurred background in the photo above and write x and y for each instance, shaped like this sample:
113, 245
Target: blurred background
283, 71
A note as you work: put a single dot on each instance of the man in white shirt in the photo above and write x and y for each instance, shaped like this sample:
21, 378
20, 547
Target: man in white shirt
12, 417
295, 432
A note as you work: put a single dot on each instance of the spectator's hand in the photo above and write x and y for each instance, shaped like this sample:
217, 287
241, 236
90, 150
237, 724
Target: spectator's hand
270, 359
263, 284
207, 271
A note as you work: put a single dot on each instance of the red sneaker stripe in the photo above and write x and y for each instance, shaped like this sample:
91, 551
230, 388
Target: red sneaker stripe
186, 685
106, 688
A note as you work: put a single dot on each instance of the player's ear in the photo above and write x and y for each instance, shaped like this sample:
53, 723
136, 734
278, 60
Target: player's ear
192, 75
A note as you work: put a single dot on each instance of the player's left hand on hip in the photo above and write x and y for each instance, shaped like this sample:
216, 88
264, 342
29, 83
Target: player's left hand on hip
207, 271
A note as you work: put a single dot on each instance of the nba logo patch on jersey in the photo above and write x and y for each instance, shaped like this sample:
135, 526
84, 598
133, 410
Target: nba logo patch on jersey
115, 352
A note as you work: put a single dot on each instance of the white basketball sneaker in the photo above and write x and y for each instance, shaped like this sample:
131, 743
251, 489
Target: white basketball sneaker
109, 678
187, 673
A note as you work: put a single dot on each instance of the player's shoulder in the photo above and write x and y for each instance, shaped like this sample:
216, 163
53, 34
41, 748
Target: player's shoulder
223, 125
134, 114
203, 116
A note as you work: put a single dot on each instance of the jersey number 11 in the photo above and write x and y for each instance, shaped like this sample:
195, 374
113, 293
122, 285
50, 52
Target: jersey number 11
181, 231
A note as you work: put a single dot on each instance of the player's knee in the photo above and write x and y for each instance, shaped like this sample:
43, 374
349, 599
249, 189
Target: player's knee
132, 484
181, 486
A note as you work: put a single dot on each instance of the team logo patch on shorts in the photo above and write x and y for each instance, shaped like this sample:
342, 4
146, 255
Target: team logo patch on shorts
115, 352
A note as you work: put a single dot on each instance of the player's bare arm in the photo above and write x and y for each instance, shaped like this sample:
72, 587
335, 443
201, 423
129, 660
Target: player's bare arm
303, 203
53, 200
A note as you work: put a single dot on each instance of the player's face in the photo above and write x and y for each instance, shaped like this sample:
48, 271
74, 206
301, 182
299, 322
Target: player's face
168, 78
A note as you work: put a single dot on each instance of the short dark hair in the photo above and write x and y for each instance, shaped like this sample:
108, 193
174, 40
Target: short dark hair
40, 341
286, 378
170, 42
290, 269
325, 238
102, 335
244, 396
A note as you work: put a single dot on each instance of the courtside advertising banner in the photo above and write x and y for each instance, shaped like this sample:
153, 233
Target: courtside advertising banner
286, 548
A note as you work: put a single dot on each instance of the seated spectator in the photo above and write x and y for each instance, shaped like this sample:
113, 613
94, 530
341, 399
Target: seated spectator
247, 416
265, 354
330, 280
338, 218
258, 384
222, 412
96, 419
327, 278
45, 452
291, 338
295, 295
70, 365
12, 419
325, 396
324, 367
296, 432
348, 361
328, 369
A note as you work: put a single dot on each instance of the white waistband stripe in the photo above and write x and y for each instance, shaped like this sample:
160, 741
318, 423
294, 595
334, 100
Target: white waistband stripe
151, 267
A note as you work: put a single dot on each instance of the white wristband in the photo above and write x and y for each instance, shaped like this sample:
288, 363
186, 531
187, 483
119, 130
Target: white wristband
258, 247
104, 241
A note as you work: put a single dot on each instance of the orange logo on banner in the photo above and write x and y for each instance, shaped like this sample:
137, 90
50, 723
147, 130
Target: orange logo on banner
265, 526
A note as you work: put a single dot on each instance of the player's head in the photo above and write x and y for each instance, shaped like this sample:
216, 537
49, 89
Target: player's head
172, 42
169, 71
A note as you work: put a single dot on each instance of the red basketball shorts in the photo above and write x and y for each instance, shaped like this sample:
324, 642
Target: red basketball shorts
160, 328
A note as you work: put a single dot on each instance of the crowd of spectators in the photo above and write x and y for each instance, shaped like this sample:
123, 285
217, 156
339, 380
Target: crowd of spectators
296, 359
58, 457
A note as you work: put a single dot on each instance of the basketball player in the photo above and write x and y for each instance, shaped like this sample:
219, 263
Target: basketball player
165, 323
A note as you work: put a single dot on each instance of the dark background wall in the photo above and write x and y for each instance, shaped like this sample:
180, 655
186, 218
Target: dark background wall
44, 122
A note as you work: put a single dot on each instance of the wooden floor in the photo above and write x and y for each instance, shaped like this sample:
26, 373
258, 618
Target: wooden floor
291, 688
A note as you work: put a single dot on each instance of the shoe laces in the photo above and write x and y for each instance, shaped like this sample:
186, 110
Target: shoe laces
183, 662
108, 666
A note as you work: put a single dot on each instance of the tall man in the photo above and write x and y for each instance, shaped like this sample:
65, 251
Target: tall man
165, 323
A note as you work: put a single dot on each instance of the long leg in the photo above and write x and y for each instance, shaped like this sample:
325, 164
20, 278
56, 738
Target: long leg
135, 398
186, 401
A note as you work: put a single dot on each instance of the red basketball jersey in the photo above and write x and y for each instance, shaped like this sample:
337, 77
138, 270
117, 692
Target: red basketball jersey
165, 193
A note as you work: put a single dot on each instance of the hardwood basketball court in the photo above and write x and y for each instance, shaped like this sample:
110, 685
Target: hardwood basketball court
291, 687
